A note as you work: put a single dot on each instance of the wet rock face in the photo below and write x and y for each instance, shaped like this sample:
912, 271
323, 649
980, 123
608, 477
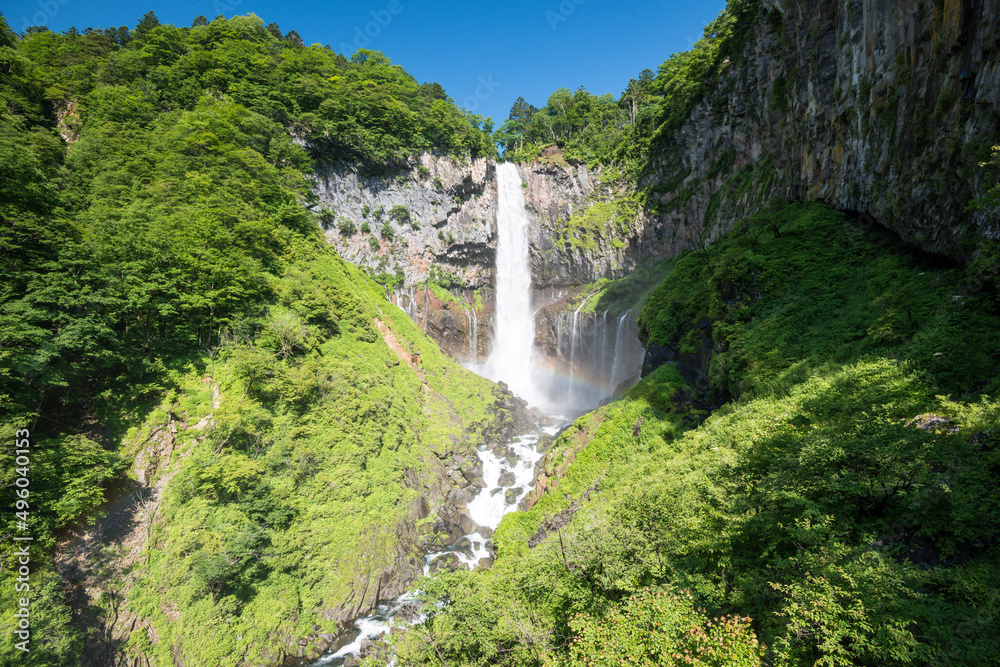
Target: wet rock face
884, 108
461, 322
553, 194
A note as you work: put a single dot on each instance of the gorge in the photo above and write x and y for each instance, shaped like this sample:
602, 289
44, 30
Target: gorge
708, 368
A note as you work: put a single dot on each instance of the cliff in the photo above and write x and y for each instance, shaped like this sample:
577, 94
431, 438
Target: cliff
884, 108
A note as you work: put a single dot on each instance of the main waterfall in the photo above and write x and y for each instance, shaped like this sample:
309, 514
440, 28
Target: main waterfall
512, 357
592, 355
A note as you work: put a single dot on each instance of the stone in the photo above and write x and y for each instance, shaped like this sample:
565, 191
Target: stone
508, 478
444, 562
467, 524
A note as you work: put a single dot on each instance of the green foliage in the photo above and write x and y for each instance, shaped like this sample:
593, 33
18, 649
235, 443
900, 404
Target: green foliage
347, 227
842, 502
785, 270
654, 628
992, 197
401, 214
164, 276
55, 642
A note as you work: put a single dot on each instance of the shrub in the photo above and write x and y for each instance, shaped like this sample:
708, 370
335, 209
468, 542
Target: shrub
655, 628
400, 214
347, 227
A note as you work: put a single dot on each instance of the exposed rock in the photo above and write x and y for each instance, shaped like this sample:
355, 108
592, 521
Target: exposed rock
467, 524
445, 562
561, 519
894, 104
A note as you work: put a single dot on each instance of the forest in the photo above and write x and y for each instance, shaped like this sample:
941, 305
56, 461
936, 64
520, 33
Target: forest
176, 332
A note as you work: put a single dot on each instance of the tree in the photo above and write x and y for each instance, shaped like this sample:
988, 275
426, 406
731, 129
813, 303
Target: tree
653, 628
521, 111
145, 25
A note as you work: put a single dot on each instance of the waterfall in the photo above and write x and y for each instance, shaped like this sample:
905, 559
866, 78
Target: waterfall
618, 338
474, 352
512, 357
572, 350
604, 344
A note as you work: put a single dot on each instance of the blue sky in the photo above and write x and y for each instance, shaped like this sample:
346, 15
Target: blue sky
485, 54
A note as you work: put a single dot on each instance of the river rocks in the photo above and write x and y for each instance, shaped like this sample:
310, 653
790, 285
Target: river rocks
510, 496
467, 525
460, 498
508, 478
448, 562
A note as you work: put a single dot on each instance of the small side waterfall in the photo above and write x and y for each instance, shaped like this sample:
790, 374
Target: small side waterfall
587, 356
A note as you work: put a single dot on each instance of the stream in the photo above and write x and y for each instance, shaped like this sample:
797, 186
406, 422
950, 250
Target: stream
509, 468
514, 465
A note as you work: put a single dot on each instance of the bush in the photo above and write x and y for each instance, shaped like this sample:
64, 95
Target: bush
347, 227
400, 214
655, 628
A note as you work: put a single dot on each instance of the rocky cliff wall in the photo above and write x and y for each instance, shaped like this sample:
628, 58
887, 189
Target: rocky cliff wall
882, 107
431, 229
435, 220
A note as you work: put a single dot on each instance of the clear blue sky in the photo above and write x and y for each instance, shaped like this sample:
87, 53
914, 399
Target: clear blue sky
498, 49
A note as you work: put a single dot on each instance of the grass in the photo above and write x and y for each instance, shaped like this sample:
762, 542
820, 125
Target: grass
839, 500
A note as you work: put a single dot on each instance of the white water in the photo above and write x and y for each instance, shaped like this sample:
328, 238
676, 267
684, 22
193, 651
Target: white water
512, 361
512, 357
486, 509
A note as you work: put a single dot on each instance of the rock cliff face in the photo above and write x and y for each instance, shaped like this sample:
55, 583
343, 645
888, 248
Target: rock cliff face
881, 107
433, 221
431, 229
